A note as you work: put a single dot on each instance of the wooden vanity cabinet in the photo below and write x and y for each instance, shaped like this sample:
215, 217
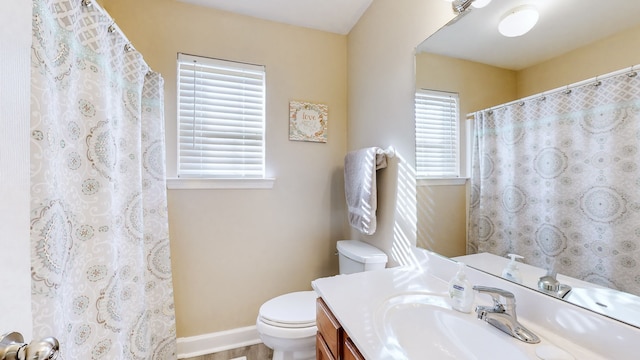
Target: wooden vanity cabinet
350, 351
322, 350
332, 342
329, 338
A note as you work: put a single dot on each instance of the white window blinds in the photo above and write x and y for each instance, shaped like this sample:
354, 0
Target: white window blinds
221, 118
437, 134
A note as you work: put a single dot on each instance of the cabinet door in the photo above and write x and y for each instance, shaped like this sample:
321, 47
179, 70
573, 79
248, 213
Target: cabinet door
351, 351
329, 328
322, 350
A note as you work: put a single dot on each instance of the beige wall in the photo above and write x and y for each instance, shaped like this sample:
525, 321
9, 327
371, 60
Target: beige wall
479, 85
442, 216
381, 95
610, 54
234, 249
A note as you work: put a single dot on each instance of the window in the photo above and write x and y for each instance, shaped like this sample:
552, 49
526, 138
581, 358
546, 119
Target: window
437, 134
221, 119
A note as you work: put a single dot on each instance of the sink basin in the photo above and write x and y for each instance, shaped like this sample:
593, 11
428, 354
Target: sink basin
420, 326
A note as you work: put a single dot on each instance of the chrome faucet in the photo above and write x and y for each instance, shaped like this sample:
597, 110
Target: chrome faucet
503, 315
12, 347
548, 284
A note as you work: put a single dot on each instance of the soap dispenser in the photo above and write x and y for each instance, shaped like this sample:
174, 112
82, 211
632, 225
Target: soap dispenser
461, 291
511, 271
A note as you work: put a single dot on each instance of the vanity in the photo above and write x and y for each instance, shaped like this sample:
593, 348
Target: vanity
404, 313
332, 341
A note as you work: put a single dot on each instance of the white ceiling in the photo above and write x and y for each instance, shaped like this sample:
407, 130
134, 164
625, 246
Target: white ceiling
336, 16
564, 25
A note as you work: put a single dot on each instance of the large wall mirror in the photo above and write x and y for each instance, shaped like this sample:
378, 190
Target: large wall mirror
573, 40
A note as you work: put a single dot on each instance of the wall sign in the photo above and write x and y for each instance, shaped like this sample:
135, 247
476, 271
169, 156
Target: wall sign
308, 121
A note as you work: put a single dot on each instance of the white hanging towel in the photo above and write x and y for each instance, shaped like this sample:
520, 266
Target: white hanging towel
360, 186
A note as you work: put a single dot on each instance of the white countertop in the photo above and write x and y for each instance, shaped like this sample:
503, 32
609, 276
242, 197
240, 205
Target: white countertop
355, 300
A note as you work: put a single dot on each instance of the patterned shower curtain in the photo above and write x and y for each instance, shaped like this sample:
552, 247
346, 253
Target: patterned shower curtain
101, 274
556, 179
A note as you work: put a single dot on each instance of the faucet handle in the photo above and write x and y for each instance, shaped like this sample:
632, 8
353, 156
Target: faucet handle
495, 294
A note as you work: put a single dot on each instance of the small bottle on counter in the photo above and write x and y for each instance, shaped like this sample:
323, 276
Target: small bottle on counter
511, 271
461, 291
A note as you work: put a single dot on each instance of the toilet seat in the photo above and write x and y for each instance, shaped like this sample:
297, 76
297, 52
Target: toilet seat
293, 310
287, 325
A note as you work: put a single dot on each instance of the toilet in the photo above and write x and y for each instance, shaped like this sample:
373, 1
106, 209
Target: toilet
287, 323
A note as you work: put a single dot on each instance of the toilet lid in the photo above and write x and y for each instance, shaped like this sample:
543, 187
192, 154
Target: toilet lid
297, 309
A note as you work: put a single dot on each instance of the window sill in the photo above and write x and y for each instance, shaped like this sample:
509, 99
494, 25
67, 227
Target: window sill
441, 182
200, 184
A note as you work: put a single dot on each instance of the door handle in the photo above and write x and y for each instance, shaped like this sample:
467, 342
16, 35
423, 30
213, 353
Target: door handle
13, 347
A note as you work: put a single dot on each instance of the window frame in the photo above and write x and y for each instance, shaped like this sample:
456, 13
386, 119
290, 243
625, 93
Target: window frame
208, 179
454, 119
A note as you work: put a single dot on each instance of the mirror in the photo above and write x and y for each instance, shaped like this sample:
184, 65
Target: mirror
574, 40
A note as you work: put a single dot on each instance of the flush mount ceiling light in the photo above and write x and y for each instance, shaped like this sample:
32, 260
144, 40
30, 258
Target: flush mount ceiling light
518, 21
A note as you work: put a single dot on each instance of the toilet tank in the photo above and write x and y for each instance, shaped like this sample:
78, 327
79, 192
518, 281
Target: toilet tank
357, 256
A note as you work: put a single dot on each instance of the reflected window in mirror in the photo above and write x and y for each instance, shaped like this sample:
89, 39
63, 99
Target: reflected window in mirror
437, 134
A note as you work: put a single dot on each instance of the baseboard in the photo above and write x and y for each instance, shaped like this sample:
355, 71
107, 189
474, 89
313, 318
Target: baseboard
215, 342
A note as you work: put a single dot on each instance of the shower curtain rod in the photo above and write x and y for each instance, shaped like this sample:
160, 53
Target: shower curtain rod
631, 72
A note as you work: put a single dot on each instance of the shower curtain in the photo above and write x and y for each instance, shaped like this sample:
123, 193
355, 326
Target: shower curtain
101, 274
556, 179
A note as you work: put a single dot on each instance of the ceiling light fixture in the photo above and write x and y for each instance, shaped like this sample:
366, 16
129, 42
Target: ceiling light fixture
518, 21
460, 6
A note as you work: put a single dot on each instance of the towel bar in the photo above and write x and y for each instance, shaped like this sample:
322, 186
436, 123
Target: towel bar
390, 152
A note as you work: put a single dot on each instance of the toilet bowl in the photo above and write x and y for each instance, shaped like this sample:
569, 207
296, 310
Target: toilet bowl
287, 323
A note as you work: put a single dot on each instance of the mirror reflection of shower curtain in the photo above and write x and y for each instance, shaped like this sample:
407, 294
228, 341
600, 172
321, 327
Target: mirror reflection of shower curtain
556, 179
101, 274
